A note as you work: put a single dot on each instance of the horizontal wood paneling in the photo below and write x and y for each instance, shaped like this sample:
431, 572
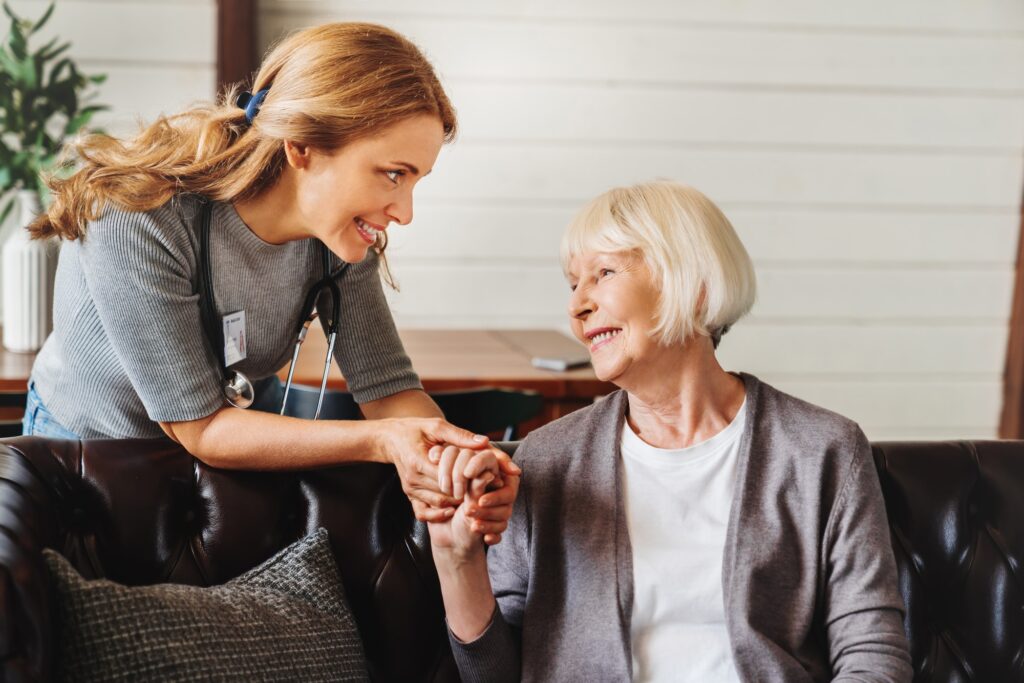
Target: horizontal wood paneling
870, 351
999, 16
577, 52
868, 153
521, 231
637, 113
560, 172
902, 405
498, 290
142, 93
133, 32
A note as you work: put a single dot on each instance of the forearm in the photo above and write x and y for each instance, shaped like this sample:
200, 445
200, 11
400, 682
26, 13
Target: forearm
466, 589
411, 403
247, 439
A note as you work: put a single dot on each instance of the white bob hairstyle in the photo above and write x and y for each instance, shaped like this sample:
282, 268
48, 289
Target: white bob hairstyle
701, 269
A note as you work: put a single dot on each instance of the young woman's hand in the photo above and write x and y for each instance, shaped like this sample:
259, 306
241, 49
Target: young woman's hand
406, 442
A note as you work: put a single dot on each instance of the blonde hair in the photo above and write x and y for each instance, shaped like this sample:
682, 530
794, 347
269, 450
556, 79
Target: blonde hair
328, 85
703, 273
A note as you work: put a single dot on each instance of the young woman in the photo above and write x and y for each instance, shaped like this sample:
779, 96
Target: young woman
249, 207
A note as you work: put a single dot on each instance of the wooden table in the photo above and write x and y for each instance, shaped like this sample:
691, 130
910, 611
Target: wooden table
463, 359
444, 359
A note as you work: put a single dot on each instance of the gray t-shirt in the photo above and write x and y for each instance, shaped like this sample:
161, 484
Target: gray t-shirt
128, 347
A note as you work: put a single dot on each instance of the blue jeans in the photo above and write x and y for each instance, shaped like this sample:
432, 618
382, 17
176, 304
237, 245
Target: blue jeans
38, 421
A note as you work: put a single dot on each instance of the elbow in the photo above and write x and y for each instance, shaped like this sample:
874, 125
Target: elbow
195, 436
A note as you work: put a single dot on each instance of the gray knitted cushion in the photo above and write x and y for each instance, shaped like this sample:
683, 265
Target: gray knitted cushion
286, 620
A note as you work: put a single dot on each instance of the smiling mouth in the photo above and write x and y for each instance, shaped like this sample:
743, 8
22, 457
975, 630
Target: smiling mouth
366, 231
600, 337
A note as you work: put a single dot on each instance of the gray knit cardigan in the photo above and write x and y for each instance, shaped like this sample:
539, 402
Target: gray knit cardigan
808, 574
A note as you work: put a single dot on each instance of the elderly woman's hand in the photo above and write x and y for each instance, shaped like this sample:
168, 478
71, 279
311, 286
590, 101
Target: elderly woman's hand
406, 442
486, 483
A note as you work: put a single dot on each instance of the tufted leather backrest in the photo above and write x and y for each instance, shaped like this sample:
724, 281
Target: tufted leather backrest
956, 516
145, 511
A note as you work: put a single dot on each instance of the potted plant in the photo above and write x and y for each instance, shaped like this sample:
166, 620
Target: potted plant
44, 100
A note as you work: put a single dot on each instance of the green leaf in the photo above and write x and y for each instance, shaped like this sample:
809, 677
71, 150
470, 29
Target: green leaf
45, 18
76, 123
7, 63
27, 71
99, 78
58, 69
47, 56
10, 12
16, 41
48, 46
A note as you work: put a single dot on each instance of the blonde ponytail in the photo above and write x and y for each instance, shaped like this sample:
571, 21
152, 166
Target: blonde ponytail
328, 85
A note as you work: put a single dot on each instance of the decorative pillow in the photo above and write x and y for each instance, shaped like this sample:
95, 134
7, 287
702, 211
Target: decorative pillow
286, 620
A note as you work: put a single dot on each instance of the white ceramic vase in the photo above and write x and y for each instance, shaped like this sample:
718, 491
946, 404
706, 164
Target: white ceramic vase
28, 271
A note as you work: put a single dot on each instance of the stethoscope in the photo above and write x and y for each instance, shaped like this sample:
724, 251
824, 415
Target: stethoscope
238, 389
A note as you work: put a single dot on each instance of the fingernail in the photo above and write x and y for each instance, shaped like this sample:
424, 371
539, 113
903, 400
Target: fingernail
480, 438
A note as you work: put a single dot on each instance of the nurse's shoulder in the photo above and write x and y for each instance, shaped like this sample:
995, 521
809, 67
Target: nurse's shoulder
164, 235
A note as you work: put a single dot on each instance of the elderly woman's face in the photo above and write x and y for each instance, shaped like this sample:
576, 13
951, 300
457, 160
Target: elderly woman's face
612, 310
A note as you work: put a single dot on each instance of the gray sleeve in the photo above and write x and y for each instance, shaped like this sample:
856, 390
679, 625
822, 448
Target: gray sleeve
138, 268
497, 654
491, 658
863, 607
369, 350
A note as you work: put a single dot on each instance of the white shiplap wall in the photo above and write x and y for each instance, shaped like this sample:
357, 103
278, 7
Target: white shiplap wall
869, 154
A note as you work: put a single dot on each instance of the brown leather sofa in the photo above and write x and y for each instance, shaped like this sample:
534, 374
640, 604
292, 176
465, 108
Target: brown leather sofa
145, 511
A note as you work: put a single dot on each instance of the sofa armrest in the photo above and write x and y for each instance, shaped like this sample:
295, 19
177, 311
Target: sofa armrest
30, 511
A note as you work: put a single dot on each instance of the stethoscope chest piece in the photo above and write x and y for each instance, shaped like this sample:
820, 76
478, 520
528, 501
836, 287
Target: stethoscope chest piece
238, 390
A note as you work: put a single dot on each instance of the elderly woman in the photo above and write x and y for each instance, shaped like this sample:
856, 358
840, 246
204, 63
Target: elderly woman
695, 525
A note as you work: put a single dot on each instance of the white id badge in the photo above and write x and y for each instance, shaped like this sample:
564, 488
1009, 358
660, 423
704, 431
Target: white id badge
234, 337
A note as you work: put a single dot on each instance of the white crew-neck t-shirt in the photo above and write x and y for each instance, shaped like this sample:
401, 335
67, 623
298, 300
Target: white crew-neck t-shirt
677, 509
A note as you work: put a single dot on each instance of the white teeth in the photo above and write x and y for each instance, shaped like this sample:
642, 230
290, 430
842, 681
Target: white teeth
372, 232
597, 339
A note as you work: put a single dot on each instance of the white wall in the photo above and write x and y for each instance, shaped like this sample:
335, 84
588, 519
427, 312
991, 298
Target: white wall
869, 154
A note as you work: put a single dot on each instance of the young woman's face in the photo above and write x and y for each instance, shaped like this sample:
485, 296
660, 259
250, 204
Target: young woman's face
347, 196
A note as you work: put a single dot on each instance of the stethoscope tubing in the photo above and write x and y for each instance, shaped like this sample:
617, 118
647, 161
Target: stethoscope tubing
238, 390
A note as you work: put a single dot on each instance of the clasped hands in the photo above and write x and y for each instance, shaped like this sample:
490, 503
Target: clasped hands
456, 481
